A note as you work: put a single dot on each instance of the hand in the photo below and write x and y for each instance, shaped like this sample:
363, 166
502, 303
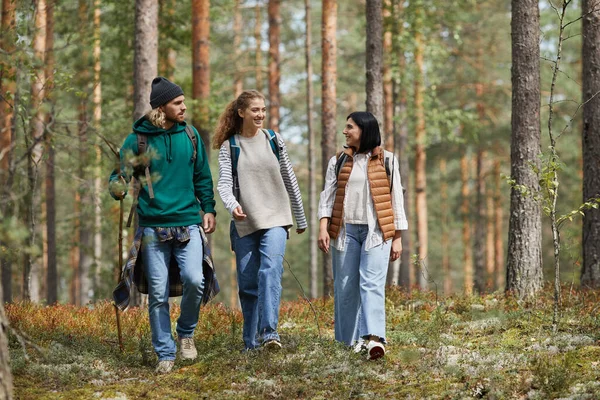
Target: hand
396, 250
238, 214
209, 223
118, 188
323, 241
299, 231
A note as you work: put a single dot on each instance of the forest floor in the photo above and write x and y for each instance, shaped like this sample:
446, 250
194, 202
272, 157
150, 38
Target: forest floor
490, 347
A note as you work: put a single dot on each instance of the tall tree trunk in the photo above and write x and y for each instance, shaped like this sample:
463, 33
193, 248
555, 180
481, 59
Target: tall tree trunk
489, 241
407, 268
7, 84
498, 238
201, 66
466, 224
7, 131
420, 163
6, 392
166, 54
51, 270
30, 270
524, 274
388, 86
97, 99
145, 58
590, 274
480, 222
444, 222
238, 80
312, 156
374, 59
85, 225
328, 107
258, 49
274, 11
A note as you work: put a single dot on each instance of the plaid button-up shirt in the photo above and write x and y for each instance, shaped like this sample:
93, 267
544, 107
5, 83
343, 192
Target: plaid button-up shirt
133, 272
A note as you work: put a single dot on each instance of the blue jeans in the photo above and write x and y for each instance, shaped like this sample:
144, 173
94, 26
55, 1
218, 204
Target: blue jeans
359, 286
156, 257
259, 258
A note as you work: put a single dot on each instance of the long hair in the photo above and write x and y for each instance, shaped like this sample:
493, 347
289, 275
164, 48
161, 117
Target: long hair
230, 121
157, 117
370, 136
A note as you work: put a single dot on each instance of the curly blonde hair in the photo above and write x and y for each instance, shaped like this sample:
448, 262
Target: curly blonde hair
157, 117
230, 122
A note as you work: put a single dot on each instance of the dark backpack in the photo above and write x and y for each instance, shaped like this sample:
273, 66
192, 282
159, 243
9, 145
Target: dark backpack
341, 160
142, 146
234, 150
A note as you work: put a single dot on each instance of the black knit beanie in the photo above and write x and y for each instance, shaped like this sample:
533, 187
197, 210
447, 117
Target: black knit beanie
163, 91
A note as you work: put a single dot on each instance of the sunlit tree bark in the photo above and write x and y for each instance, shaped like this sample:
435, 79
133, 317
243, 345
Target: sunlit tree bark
328, 107
274, 11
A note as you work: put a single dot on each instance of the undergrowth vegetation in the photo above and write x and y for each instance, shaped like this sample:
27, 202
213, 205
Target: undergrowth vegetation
491, 347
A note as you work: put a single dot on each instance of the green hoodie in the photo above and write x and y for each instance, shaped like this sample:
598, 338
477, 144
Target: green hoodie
181, 187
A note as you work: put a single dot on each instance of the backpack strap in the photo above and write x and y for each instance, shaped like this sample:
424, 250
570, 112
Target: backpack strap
390, 171
341, 160
273, 142
194, 139
234, 152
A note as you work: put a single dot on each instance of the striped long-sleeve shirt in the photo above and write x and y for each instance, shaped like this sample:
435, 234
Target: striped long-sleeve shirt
225, 183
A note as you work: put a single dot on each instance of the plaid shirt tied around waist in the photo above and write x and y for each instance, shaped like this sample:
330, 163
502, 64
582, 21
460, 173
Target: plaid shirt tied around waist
133, 271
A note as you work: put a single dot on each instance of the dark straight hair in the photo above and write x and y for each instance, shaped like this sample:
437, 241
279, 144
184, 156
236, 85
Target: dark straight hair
370, 136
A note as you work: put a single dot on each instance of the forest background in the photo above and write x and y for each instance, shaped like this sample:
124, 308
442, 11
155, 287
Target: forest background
448, 85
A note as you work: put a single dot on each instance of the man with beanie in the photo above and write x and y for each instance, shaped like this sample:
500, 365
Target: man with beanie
171, 229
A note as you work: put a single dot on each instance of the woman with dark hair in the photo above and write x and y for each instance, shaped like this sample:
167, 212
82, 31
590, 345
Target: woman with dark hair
361, 213
257, 183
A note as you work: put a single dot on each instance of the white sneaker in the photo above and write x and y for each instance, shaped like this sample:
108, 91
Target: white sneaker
187, 348
360, 346
375, 350
164, 367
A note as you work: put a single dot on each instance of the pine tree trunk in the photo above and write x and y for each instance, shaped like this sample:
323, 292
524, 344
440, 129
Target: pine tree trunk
374, 59
258, 49
328, 108
201, 66
7, 133
480, 223
7, 84
498, 237
590, 274
407, 268
466, 225
6, 392
97, 99
145, 62
51, 266
238, 80
312, 157
524, 275
420, 164
166, 54
489, 241
37, 126
388, 86
85, 228
274, 11
444, 222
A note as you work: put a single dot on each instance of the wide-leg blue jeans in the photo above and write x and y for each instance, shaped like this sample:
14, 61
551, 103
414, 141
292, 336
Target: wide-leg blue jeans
259, 258
359, 286
156, 258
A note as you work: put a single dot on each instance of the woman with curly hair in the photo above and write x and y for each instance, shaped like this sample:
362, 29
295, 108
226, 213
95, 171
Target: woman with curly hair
256, 184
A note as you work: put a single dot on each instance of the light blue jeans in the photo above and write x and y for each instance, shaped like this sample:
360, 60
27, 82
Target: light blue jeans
359, 286
156, 258
259, 258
